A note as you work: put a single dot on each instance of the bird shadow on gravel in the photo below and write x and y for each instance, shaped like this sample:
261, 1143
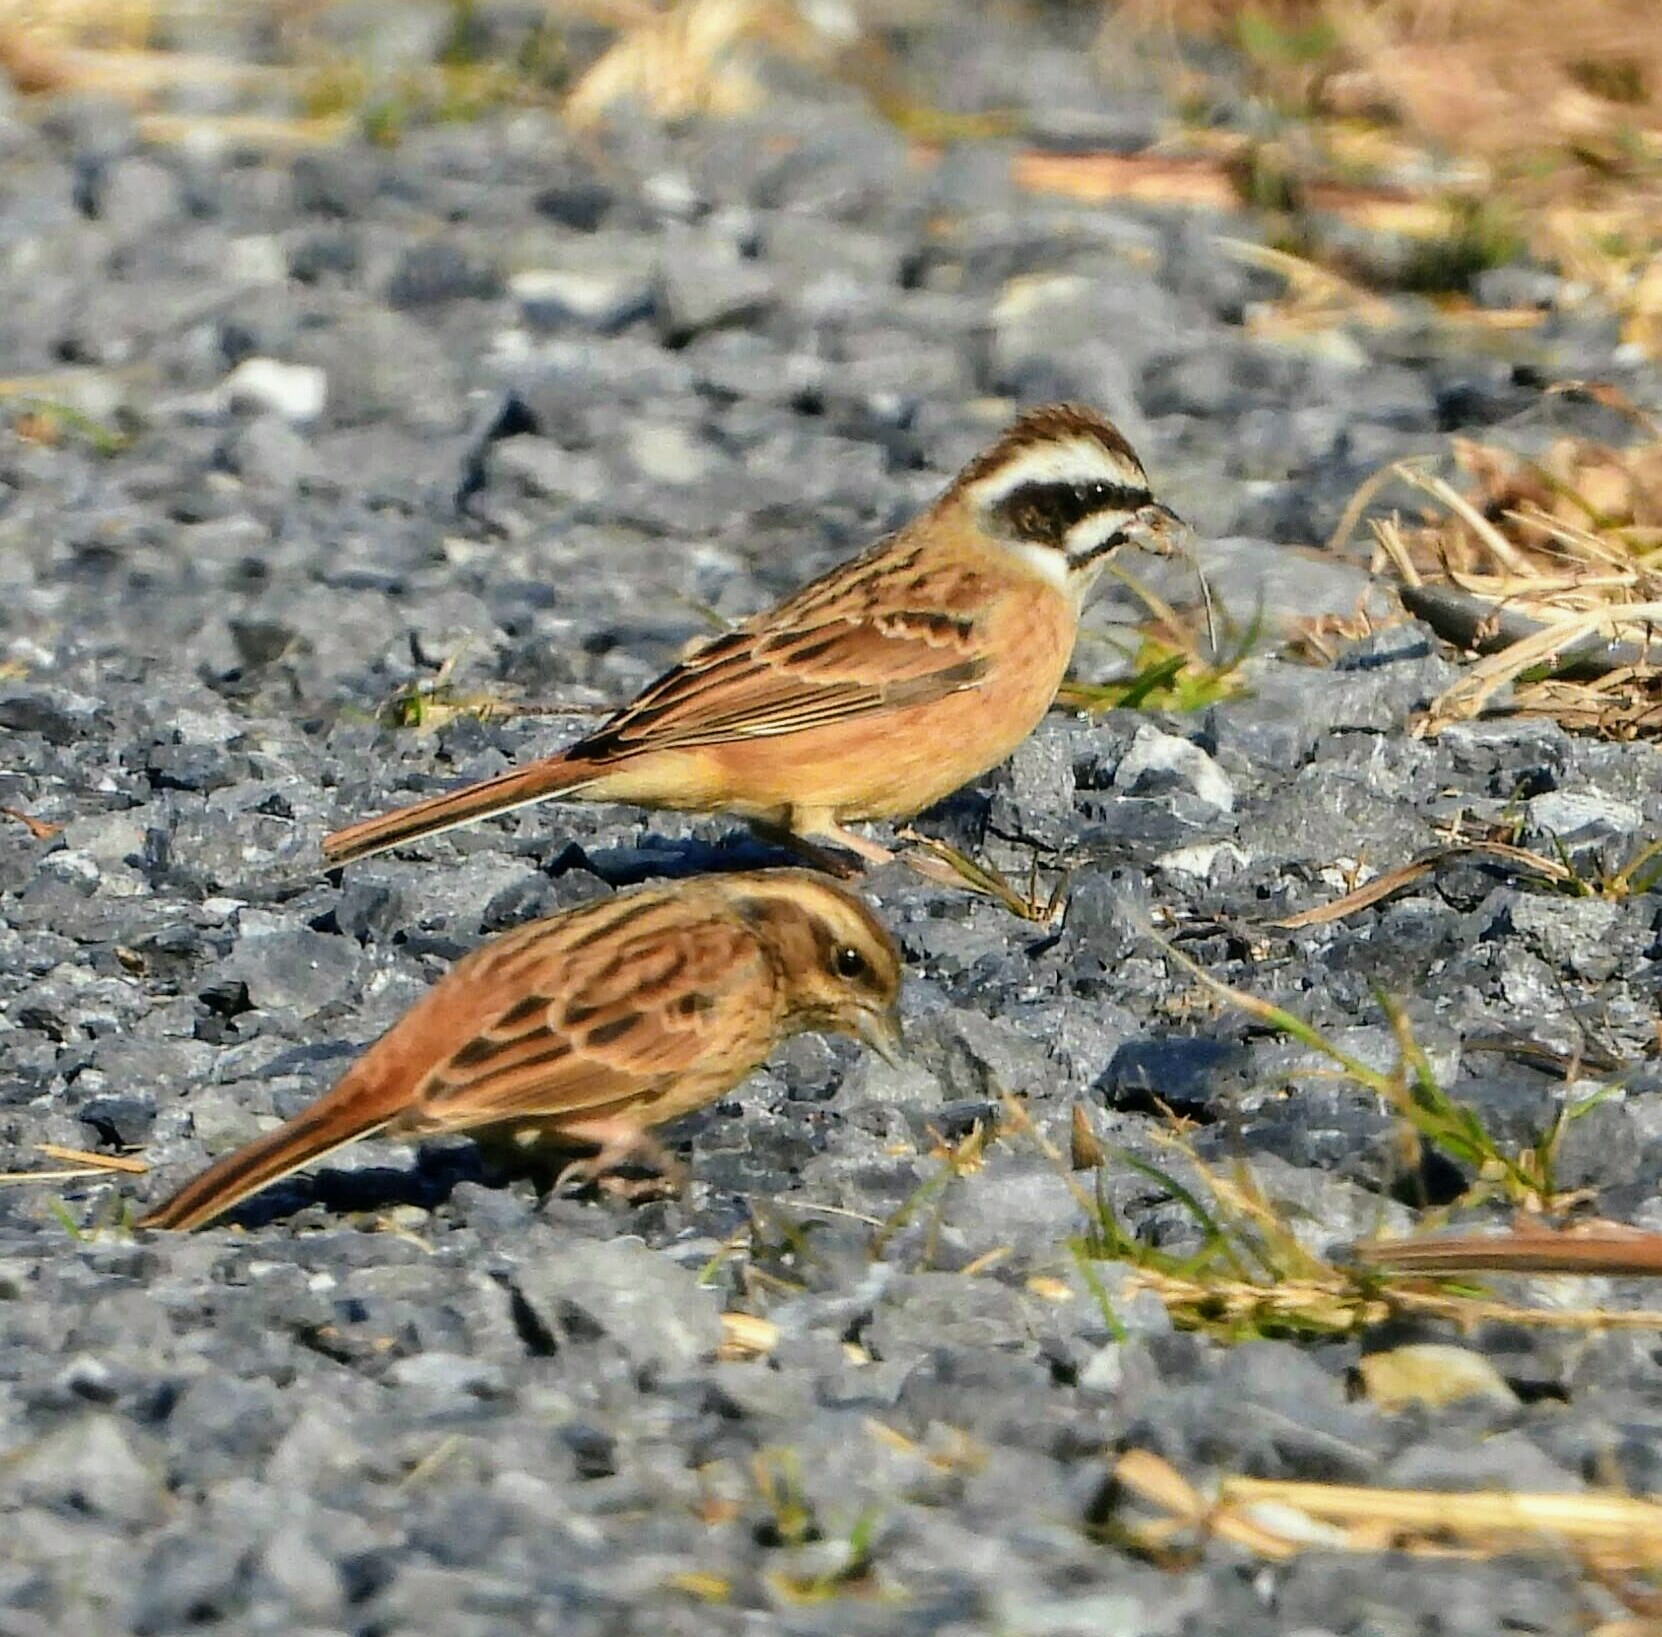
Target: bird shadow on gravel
655, 858
427, 1182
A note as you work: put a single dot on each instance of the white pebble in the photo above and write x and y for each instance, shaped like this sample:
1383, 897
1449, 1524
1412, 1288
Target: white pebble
297, 392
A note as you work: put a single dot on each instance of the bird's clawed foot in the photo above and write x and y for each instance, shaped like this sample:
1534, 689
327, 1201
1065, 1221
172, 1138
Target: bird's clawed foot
619, 1150
832, 861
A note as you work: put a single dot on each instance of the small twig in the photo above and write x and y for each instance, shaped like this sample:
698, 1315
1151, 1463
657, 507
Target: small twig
1609, 396
1387, 533
104, 1162
431, 1462
1371, 892
1622, 1520
1392, 881
54, 1176
1612, 1249
1279, 1518
984, 879
1162, 610
744, 1336
838, 1210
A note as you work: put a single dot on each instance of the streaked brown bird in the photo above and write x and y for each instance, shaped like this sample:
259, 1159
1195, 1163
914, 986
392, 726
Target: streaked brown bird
882, 686
588, 1028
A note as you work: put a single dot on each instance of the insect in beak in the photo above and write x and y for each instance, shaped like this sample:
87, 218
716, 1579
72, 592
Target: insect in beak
1158, 529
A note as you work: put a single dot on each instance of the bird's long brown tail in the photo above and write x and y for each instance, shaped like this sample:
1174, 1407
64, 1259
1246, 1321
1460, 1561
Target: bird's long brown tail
519, 787
356, 1108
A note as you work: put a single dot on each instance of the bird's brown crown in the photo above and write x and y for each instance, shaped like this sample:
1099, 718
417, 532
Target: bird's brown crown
838, 959
1051, 425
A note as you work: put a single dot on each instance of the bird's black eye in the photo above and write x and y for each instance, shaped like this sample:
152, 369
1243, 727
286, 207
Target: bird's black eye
848, 962
1044, 512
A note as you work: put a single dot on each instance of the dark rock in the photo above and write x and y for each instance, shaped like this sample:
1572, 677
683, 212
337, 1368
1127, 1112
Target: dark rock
431, 274
581, 203
1190, 1075
658, 1314
57, 715
299, 971
1108, 913
120, 1122
705, 284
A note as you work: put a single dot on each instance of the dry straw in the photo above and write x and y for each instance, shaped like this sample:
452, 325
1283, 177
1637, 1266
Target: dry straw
1276, 1519
1550, 567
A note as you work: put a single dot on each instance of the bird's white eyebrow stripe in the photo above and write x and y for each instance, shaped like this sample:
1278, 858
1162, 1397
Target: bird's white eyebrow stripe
1072, 460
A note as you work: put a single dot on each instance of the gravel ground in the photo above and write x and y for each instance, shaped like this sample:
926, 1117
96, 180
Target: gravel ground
524, 406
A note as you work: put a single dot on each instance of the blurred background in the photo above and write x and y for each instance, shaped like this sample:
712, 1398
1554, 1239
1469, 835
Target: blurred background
1290, 245
1413, 144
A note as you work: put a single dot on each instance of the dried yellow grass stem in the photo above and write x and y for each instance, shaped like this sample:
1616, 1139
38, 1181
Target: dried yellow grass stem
1536, 564
690, 57
1277, 1519
1160, 1484
83, 1164
1467, 697
262, 131
744, 1336
1487, 535
1344, 1305
8, 1177
101, 1162
1382, 1519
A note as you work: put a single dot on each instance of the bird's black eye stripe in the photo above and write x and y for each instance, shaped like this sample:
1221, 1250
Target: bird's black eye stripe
1045, 512
848, 962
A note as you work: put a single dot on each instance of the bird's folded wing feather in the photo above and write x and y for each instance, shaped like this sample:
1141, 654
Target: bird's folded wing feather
782, 677
595, 1027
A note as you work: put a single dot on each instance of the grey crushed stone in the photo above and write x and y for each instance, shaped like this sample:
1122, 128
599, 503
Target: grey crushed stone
504, 401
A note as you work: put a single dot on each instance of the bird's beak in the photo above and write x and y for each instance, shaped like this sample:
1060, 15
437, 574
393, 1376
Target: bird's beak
1158, 529
882, 1032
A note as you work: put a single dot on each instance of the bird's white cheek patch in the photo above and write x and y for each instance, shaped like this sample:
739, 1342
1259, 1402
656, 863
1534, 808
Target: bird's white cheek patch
1089, 537
1045, 561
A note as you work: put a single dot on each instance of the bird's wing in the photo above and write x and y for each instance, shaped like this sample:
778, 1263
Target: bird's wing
871, 636
572, 1022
